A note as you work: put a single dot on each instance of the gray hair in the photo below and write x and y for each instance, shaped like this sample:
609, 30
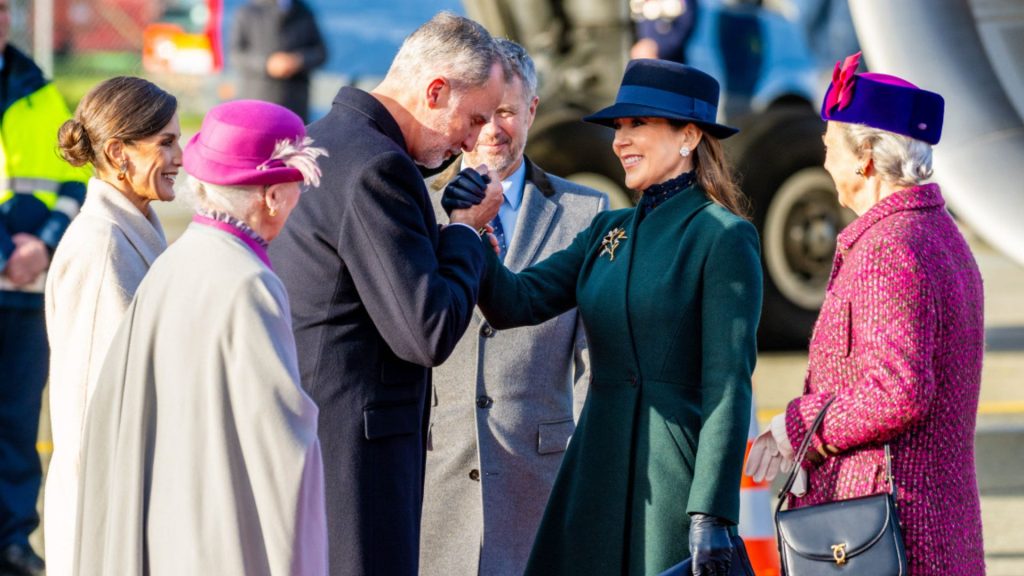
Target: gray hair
237, 201
520, 65
898, 159
449, 44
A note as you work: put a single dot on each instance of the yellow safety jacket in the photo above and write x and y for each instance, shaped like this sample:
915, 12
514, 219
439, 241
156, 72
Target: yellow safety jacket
39, 192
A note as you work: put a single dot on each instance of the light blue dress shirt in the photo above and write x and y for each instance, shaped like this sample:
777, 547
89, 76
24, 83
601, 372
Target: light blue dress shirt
509, 211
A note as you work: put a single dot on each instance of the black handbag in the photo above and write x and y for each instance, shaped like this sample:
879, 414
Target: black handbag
856, 536
740, 565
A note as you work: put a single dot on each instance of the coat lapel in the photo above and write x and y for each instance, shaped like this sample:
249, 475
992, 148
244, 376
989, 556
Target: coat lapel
536, 217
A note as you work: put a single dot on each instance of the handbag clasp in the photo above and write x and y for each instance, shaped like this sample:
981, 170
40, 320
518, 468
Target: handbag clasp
839, 554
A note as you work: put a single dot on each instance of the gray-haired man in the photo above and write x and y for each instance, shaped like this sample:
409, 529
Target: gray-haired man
379, 293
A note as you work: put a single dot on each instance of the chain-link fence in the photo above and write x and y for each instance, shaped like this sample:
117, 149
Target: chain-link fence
79, 43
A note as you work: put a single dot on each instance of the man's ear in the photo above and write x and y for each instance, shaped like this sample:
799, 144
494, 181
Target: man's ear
438, 92
532, 111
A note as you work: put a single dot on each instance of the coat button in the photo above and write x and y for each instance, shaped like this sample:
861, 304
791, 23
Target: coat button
484, 402
487, 330
474, 475
632, 380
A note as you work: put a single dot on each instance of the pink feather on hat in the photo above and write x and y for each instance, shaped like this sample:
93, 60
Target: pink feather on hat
844, 78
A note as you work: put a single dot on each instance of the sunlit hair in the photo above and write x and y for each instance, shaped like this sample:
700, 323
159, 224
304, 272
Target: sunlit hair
520, 66
451, 45
898, 159
237, 201
124, 108
714, 174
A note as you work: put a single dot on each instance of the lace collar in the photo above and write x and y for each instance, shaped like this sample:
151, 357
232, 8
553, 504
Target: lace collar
657, 194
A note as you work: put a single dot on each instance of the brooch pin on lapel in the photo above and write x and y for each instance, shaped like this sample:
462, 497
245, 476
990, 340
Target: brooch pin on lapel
611, 242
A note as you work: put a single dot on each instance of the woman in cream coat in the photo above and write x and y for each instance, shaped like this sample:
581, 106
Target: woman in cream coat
127, 128
199, 449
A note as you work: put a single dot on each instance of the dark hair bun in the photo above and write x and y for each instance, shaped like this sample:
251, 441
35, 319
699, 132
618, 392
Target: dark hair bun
74, 142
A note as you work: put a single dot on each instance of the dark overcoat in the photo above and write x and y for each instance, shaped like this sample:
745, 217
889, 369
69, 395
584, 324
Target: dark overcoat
671, 323
379, 294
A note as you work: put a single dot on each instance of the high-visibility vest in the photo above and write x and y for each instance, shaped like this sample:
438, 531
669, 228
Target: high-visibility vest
29, 161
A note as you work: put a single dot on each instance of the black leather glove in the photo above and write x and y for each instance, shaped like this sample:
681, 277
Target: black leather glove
710, 545
464, 191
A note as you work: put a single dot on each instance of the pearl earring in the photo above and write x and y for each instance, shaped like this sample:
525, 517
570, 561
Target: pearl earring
684, 151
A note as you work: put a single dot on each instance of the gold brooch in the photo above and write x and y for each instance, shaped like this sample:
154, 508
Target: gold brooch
611, 242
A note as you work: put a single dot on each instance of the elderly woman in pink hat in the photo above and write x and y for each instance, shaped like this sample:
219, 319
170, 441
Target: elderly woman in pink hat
200, 451
896, 354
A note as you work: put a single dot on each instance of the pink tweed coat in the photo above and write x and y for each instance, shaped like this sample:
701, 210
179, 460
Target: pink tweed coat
899, 345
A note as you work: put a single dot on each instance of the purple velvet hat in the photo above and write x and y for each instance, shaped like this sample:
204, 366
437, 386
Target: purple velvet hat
882, 101
236, 141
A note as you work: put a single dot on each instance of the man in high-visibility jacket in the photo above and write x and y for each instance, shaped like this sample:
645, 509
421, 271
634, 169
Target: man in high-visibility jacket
39, 195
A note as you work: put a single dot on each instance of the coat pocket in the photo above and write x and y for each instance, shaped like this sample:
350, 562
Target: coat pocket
687, 447
391, 420
832, 332
552, 437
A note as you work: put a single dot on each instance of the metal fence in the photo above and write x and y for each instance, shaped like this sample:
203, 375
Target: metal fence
79, 43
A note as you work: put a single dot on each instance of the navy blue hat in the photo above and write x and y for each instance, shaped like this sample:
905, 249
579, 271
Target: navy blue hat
664, 89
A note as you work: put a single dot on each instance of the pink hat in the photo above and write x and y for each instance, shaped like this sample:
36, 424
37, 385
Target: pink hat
235, 144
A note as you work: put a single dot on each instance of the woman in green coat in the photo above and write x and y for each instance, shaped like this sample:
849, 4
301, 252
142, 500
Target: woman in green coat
670, 295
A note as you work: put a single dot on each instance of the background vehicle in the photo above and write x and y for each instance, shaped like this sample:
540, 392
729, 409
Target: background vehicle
968, 50
771, 85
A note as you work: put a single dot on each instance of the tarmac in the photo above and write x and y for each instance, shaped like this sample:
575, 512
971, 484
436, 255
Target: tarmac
779, 377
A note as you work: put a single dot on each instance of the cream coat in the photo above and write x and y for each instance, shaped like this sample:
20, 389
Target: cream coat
199, 450
100, 262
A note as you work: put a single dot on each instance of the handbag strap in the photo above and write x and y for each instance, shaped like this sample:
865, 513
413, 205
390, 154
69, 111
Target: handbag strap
802, 452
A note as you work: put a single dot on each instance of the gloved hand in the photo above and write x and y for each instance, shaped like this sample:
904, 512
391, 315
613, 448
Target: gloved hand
772, 452
764, 460
778, 430
464, 191
710, 545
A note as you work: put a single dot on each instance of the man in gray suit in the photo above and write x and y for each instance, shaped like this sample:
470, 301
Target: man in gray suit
505, 403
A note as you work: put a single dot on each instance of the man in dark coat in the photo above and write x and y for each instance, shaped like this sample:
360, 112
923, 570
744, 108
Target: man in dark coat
380, 293
275, 44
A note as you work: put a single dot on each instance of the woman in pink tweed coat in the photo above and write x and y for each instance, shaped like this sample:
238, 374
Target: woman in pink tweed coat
898, 344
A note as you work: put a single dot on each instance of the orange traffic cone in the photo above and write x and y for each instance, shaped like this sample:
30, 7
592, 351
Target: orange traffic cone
756, 525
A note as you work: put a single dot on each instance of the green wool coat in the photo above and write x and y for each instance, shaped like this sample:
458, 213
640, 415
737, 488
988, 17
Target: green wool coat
671, 323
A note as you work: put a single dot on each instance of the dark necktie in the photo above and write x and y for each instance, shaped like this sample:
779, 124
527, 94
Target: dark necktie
499, 233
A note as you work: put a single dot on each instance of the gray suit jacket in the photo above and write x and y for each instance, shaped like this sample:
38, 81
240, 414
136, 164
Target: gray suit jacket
504, 405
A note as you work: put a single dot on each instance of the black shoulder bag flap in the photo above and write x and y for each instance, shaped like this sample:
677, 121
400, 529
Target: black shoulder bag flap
856, 536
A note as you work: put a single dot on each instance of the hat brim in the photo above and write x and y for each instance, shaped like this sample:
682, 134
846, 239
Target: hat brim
606, 116
206, 169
